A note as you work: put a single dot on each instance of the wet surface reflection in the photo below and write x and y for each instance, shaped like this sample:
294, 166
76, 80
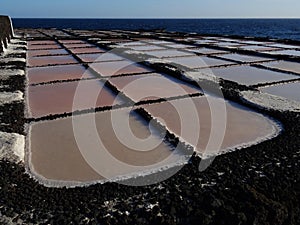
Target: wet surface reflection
152, 87
290, 91
59, 98
54, 73
55, 154
248, 75
241, 125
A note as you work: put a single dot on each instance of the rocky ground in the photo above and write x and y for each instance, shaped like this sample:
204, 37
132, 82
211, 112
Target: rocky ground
256, 185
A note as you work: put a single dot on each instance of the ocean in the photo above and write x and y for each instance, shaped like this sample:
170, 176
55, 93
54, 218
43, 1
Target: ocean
271, 28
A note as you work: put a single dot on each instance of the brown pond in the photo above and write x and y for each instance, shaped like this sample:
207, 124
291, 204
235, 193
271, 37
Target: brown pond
284, 65
60, 151
248, 75
99, 57
54, 73
47, 42
151, 87
50, 60
86, 50
204, 41
41, 47
228, 44
132, 43
277, 45
258, 48
78, 45
198, 62
253, 43
206, 51
147, 48
106, 69
47, 52
193, 119
157, 42
179, 46
168, 53
58, 98
72, 41
286, 52
290, 91
244, 58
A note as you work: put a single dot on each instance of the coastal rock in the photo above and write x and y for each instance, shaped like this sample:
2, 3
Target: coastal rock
6, 32
12, 147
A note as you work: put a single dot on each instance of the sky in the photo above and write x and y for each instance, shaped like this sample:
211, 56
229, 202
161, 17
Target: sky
150, 8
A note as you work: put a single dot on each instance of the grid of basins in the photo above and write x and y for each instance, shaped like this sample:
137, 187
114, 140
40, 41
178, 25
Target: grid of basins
80, 94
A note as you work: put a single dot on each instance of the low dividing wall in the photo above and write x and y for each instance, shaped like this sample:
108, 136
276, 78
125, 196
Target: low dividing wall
6, 32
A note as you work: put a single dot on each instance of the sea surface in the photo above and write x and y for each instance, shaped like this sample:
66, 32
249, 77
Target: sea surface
271, 28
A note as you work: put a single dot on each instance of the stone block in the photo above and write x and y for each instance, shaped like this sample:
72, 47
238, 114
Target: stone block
6, 32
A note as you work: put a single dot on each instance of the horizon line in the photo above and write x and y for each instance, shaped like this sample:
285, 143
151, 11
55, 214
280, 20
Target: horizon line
156, 18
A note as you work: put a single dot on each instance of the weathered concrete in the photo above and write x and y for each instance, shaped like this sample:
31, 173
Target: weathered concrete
6, 32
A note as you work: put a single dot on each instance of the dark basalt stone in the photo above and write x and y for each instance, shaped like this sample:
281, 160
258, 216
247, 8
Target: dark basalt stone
6, 32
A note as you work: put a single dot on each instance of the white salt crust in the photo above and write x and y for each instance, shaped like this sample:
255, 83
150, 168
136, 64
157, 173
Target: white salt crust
12, 147
7, 72
9, 97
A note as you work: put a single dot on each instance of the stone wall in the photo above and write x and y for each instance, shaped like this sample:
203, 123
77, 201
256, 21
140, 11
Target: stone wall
6, 32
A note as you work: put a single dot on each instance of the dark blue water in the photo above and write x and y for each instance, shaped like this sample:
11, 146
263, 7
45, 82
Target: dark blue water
272, 28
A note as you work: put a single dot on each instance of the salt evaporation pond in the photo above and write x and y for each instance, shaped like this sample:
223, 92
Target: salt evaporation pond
249, 75
100, 57
50, 60
49, 52
43, 47
58, 157
152, 87
36, 43
290, 91
57, 73
168, 53
43, 100
206, 51
284, 65
243, 127
244, 58
86, 50
78, 150
198, 62
107, 69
